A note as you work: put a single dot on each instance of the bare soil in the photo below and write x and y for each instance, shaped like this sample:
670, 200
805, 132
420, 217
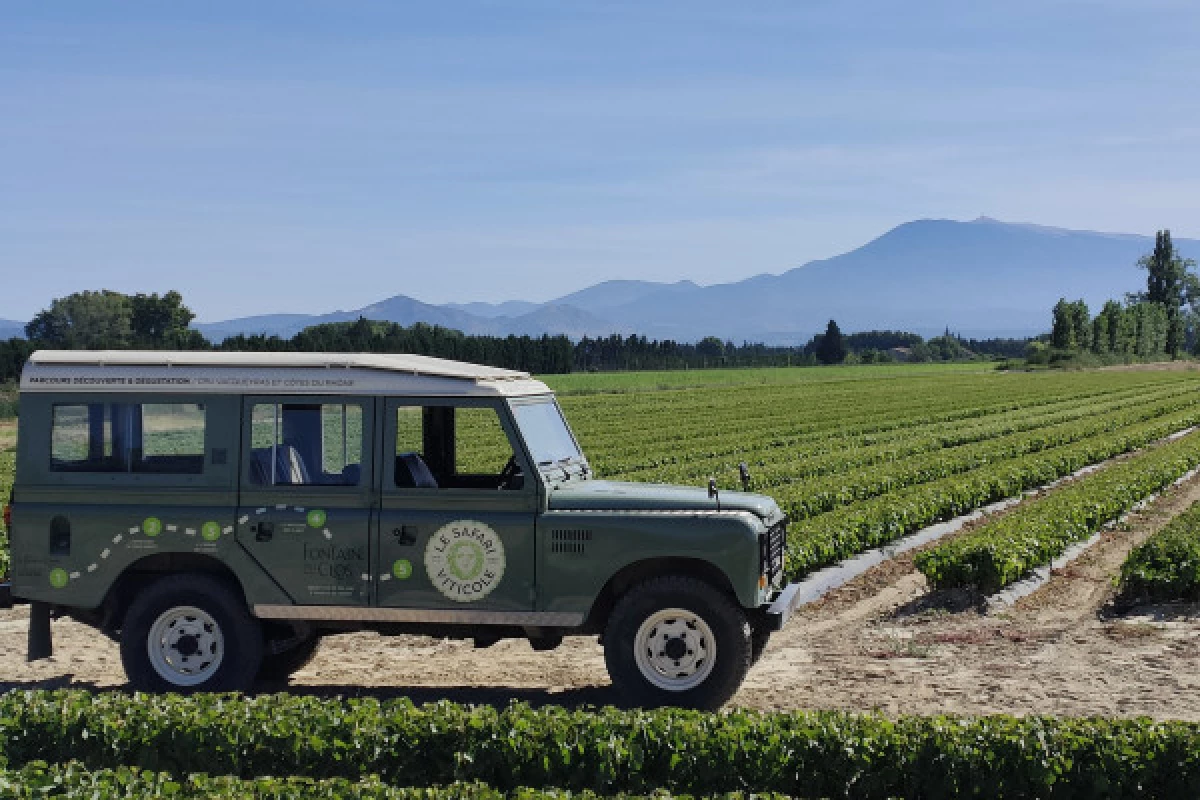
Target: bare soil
880, 642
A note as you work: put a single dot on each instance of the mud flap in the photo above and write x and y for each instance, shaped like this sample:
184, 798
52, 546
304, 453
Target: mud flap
40, 643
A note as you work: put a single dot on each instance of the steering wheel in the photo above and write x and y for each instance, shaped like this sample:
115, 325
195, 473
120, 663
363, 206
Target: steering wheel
511, 471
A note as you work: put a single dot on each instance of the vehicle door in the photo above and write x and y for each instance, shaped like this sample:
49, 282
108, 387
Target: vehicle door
307, 496
458, 504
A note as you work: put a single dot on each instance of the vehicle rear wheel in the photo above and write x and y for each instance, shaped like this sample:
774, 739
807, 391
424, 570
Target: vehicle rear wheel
280, 666
190, 633
677, 641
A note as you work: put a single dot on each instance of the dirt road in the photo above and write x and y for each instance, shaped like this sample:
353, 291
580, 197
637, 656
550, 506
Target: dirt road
880, 642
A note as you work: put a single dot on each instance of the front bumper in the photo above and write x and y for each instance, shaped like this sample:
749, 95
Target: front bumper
783, 606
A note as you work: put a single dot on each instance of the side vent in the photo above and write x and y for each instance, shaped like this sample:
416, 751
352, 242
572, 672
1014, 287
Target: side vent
570, 541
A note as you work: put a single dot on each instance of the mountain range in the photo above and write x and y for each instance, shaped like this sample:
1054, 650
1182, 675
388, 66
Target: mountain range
979, 278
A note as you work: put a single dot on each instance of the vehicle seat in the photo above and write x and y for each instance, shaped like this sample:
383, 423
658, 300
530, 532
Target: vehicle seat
413, 473
289, 466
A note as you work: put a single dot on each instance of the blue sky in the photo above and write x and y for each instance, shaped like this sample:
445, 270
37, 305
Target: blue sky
305, 155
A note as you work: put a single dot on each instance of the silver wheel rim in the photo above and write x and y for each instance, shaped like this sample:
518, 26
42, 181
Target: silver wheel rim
675, 649
185, 646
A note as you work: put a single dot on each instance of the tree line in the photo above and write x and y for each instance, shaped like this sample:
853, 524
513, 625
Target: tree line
1163, 321
876, 347
108, 320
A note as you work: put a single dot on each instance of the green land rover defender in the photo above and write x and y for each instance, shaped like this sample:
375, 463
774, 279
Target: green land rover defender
217, 513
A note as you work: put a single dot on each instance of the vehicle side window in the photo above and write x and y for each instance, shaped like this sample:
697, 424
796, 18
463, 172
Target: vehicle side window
306, 444
154, 438
480, 445
453, 447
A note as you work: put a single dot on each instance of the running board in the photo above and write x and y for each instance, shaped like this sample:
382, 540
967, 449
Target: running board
448, 616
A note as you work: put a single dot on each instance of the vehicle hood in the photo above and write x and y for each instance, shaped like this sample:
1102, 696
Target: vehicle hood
626, 496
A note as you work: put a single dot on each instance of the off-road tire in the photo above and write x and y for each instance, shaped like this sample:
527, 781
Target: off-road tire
758, 643
724, 617
281, 666
241, 633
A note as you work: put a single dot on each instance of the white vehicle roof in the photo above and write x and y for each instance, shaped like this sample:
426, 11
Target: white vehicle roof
189, 372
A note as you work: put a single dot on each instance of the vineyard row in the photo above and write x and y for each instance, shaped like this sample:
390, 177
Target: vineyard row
809, 754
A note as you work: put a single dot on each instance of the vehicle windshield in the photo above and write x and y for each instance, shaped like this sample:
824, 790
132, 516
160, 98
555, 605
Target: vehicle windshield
545, 431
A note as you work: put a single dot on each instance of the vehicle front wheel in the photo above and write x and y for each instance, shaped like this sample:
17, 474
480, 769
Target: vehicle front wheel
190, 633
677, 641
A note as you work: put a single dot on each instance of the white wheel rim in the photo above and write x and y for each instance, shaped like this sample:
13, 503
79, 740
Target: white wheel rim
185, 646
675, 649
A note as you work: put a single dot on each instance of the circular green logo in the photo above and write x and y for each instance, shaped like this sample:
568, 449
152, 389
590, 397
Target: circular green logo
316, 518
210, 531
465, 560
402, 569
152, 526
58, 577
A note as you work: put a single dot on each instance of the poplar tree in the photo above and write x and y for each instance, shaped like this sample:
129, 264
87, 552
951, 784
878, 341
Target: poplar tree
1171, 283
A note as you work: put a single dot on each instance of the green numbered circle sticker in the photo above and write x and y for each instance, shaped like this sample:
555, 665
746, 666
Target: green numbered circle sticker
402, 569
152, 526
210, 531
316, 518
58, 577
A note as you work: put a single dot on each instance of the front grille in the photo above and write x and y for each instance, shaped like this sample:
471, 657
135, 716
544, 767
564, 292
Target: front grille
771, 546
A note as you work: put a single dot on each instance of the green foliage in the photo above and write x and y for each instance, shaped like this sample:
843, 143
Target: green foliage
831, 349
806, 754
858, 463
879, 340
1167, 565
13, 354
111, 320
72, 779
1037, 353
1032, 535
162, 323
829, 538
1155, 323
1172, 284
85, 321
1071, 326
839, 487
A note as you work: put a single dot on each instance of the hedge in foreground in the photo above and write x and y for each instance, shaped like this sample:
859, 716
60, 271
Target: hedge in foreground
40, 780
1009, 547
820, 754
1167, 565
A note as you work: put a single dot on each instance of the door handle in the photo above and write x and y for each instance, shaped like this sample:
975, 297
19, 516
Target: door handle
263, 531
